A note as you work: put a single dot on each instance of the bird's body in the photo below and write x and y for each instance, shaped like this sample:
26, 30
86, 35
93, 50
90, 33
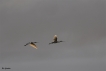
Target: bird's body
32, 44
55, 40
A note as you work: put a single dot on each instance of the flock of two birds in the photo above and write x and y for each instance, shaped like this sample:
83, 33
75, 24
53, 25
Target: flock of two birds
54, 41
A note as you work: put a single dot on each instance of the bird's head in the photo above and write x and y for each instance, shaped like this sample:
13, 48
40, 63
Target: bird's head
55, 35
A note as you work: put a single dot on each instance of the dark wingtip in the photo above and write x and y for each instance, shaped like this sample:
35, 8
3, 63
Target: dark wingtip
61, 41
36, 42
50, 43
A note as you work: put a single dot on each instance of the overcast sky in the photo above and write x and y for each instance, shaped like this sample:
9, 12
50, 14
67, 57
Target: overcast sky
80, 23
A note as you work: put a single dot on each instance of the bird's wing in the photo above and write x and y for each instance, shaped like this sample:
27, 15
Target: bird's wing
35, 42
62, 41
26, 44
51, 43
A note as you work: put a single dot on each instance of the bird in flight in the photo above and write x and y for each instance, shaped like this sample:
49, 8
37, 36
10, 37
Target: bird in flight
32, 44
55, 40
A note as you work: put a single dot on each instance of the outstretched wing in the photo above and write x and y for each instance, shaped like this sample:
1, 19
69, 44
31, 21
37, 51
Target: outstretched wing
26, 44
55, 38
35, 42
51, 43
61, 41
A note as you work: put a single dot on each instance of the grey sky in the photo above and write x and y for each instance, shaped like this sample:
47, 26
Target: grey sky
80, 23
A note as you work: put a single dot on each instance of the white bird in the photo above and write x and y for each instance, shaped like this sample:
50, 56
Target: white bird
55, 40
32, 44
